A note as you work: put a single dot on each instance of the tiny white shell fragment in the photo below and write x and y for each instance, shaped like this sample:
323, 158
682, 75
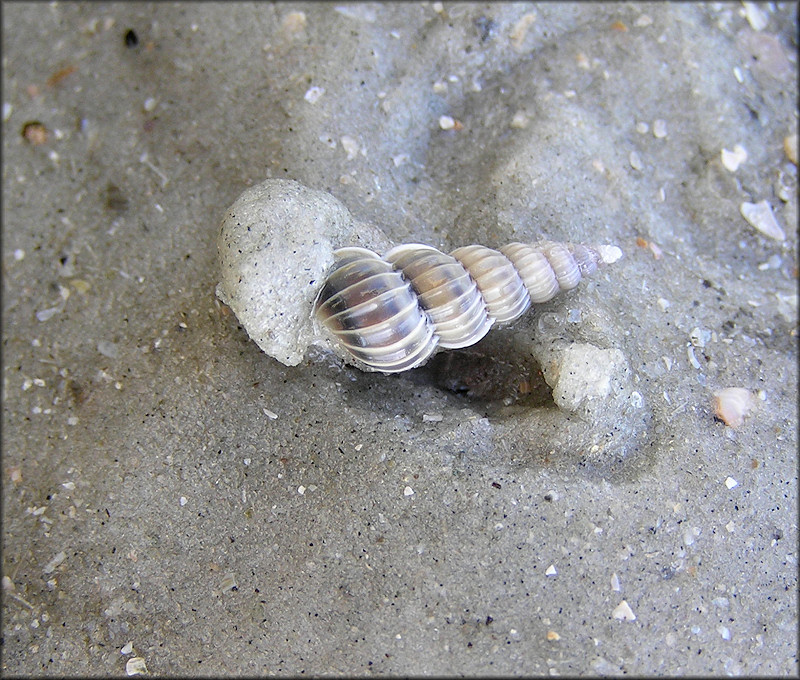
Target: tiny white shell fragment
45, 314
520, 30
659, 128
656, 250
730, 482
755, 16
294, 22
623, 612
446, 122
790, 147
635, 160
520, 120
550, 571
774, 262
350, 146
615, 586
699, 337
52, 564
760, 216
609, 254
408, 491
432, 418
733, 159
127, 649
732, 405
136, 666
313, 94
358, 11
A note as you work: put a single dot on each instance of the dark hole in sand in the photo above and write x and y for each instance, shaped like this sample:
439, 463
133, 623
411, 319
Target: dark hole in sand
490, 375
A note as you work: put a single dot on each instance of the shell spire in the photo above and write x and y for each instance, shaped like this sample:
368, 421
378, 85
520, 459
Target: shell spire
391, 313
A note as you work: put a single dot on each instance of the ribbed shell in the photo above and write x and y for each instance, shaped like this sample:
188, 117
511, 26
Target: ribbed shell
392, 312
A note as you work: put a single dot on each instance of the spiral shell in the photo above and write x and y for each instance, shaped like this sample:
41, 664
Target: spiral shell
391, 313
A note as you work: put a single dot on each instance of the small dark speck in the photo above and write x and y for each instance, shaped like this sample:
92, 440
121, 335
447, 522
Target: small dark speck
489, 619
486, 27
548, 497
114, 198
496, 485
131, 39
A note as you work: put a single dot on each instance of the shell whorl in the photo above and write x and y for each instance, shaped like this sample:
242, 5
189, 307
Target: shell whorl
391, 313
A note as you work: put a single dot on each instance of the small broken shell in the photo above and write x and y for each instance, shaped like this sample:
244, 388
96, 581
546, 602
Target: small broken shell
760, 216
732, 404
790, 147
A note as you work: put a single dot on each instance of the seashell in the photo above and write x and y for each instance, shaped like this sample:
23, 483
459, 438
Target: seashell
392, 313
732, 405
760, 216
